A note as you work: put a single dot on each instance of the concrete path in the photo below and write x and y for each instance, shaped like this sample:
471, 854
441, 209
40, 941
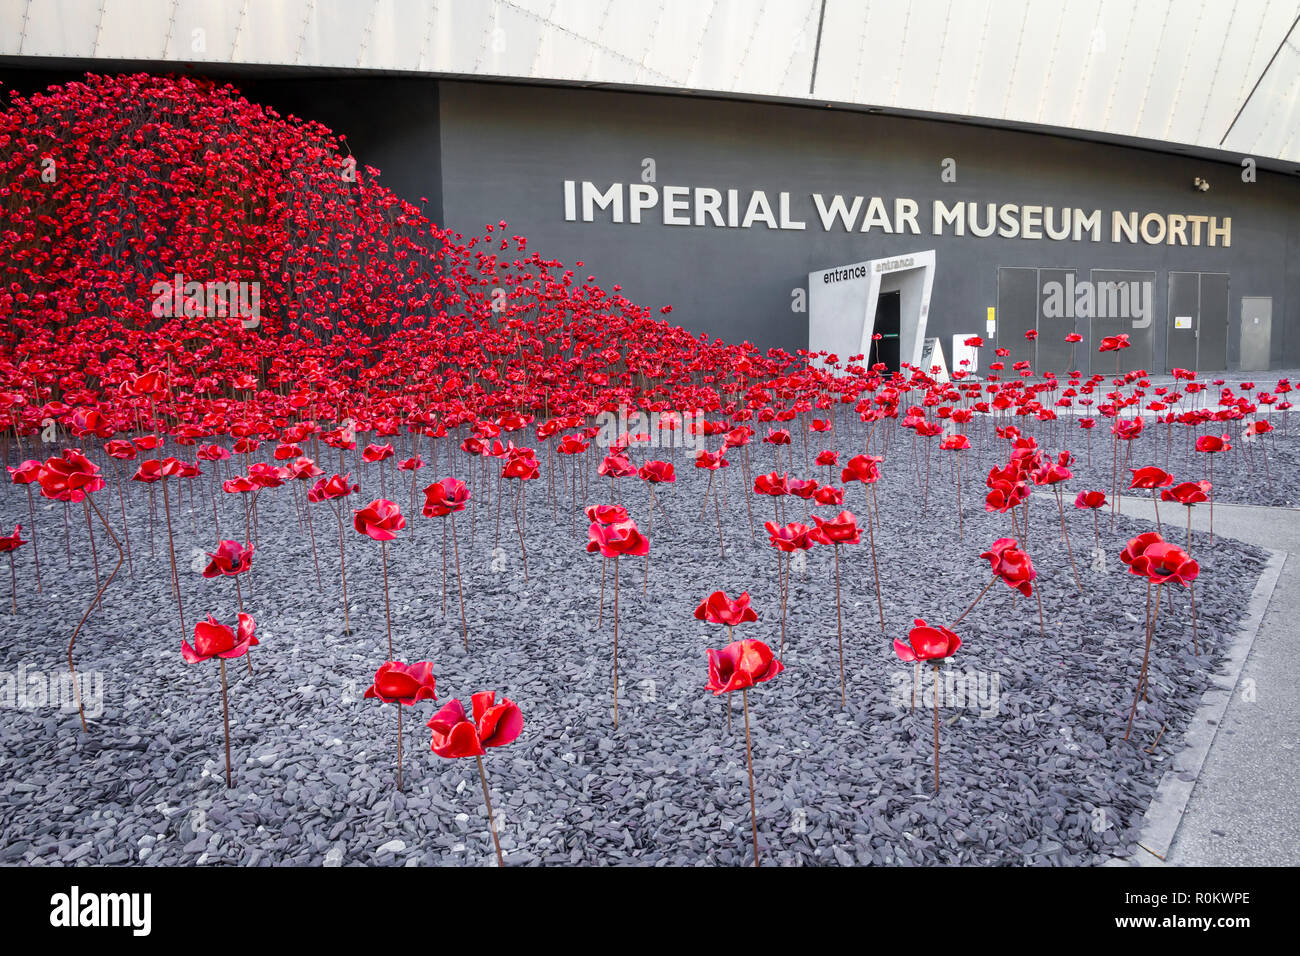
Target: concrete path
1244, 808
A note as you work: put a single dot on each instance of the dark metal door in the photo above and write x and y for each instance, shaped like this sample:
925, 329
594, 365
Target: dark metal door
1017, 312
1212, 331
1184, 314
1053, 353
1256, 332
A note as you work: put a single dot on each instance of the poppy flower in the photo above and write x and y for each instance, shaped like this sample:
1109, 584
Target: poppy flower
863, 468
443, 497
1090, 499
741, 665
375, 453
400, 683
1150, 477
1162, 562
606, 514
955, 442
380, 520
827, 458
842, 529
70, 477
826, 495
927, 643
526, 469
1136, 547
229, 559
12, 542
331, 488
717, 608
615, 466
1187, 493
493, 725
1008, 562
771, 484
121, 450
789, 538
712, 460
26, 473
212, 639
802, 489
1073, 337
657, 472
1113, 343
618, 539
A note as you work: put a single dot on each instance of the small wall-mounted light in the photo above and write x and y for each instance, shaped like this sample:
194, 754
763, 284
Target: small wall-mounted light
1201, 185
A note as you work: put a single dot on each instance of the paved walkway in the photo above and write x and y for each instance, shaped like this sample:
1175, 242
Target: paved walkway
1245, 806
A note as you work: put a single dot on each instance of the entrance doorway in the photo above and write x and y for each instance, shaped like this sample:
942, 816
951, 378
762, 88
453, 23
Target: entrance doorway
888, 314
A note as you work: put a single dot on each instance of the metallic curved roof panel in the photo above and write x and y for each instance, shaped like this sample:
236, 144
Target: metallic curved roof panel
1209, 74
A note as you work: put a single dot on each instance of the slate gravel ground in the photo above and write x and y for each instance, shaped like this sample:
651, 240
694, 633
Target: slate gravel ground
1039, 775
1254, 472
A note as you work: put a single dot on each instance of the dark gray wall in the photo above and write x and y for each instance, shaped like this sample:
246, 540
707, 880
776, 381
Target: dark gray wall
506, 151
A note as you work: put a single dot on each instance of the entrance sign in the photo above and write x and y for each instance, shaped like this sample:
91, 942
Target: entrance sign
842, 305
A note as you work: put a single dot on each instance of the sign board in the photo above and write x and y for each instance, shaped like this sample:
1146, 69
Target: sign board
1182, 321
932, 355
991, 323
961, 352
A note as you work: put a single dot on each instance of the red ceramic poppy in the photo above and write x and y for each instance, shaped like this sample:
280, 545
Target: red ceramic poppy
771, 484
328, 489
657, 472
606, 514
229, 559
444, 497
790, 537
26, 473
12, 542
1150, 477
864, 468
70, 477
717, 608
1090, 499
380, 520
494, 725
618, 539
400, 683
212, 639
1136, 547
741, 665
1164, 563
1187, 493
826, 495
1012, 565
802, 489
927, 643
842, 529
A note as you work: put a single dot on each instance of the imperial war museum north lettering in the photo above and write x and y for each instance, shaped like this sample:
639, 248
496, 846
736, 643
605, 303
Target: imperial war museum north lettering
735, 208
